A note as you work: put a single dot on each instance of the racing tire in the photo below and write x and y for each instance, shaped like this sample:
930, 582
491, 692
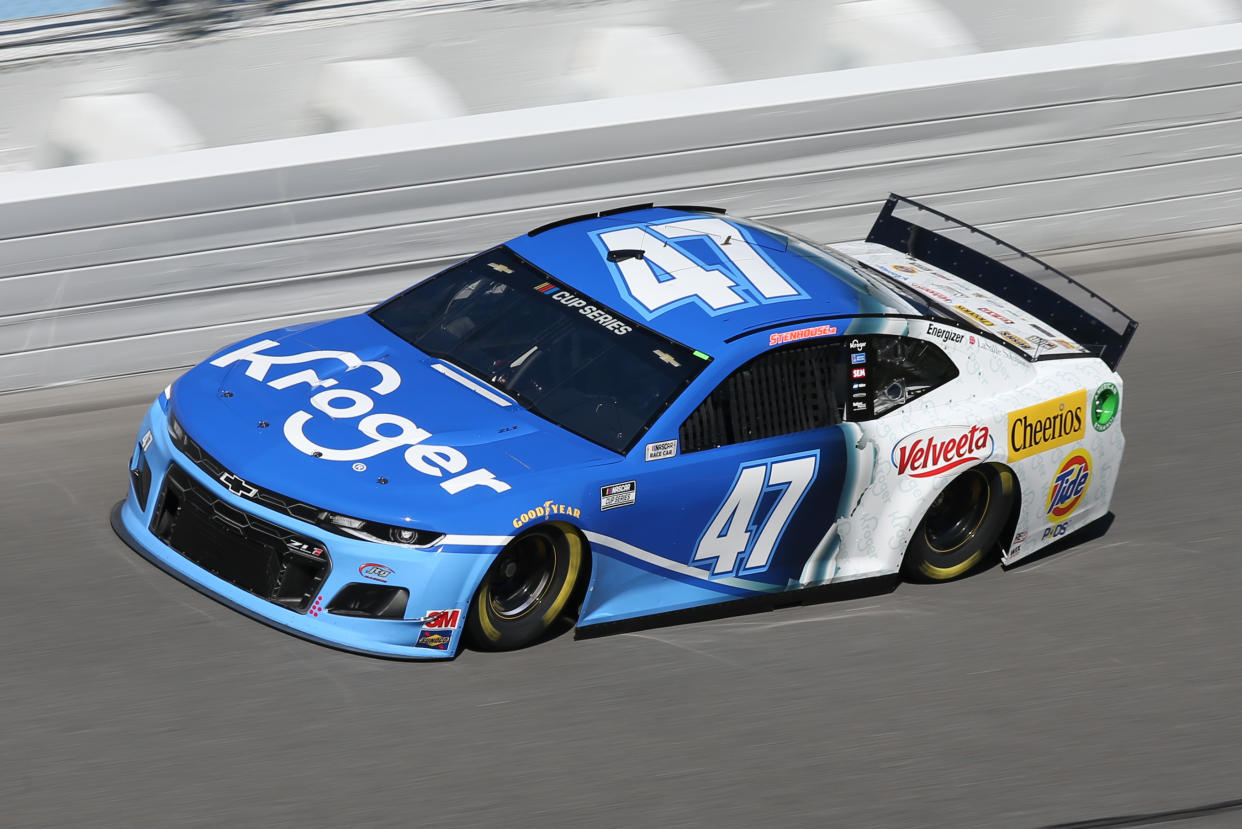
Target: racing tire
530, 585
962, 525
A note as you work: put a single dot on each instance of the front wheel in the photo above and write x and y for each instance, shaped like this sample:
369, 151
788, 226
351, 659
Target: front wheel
962, 525
528, 586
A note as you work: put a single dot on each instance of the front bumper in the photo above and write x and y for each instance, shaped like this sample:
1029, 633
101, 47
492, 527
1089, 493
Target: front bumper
438, 578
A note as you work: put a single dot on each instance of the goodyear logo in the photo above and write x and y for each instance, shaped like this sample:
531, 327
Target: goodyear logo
1047, 425
547, 510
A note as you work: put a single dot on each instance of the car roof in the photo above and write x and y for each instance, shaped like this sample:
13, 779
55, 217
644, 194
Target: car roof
575, 252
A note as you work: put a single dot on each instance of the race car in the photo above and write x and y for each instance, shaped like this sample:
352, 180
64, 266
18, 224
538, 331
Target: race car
637, 413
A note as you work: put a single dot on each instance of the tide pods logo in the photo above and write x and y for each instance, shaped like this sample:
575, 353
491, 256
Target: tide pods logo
1069, 485
935, 451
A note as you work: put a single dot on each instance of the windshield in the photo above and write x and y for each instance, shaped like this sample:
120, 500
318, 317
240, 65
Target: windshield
559, 353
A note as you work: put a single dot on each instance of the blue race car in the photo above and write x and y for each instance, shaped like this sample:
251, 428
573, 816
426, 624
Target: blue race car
635, 413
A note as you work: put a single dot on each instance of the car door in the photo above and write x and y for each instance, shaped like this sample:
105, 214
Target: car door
748, 488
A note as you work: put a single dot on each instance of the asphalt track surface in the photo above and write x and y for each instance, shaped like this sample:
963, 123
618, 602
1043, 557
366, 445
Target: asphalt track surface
1098, 682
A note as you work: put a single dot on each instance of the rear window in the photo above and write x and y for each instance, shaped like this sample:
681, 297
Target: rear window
556, 351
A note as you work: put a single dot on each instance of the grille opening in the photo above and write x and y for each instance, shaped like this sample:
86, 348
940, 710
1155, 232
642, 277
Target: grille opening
375, 601
261, 558
140, 480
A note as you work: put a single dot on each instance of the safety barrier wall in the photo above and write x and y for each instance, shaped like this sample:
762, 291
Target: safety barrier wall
123, 267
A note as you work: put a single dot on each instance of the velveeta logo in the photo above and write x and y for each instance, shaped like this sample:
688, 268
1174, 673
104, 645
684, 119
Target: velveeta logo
1047, 425
941, 449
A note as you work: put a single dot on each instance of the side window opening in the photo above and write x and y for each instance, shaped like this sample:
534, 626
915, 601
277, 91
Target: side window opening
814, 385
905, 369
781, 392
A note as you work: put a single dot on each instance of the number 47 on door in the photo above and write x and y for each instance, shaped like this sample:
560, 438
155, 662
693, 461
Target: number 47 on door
736, 532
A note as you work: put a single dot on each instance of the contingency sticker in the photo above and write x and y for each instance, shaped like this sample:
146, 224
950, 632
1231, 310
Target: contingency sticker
618, 495
661, 450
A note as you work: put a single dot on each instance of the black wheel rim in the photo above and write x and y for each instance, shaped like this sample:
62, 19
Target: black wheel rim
521, 576
957, 512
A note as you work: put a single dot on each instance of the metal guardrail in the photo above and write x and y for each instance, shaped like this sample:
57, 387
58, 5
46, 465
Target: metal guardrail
107, 269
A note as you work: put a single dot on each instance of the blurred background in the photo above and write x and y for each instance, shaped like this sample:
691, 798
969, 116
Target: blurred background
96, 80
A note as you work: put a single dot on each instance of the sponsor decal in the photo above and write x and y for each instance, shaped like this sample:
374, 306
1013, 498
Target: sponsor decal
1018, 341
317, 607
1104, 406
1069, 485
375, 572
545, 287
858, 358
146, 440
858, 406
660, 451
946, 335
546, 510
858, 394
977, 317
1040, 342
433, 640
1020, 537
441, 619
858, 373
860, 385
341, 403
935, 293
931, 452
1055, 531
1042, 330
360, 467
1067, 345
904, 268
857, 345
782, 337
617, 326
237, 486
996, 315
1047, 425
618, 495
1017, 548
502, 268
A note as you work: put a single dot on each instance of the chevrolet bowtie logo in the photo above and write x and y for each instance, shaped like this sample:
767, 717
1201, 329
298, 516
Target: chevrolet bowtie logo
237, 486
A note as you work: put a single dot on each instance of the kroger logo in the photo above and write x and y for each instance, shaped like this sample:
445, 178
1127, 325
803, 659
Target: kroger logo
931, 452
375, 428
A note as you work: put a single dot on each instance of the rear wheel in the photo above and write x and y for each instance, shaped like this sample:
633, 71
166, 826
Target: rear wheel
528, 587
962, 525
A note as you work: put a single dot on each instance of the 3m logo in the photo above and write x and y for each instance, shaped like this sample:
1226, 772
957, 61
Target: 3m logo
1047, 425
442, 619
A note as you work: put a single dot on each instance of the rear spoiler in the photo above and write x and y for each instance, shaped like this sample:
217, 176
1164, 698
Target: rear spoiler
1001, 269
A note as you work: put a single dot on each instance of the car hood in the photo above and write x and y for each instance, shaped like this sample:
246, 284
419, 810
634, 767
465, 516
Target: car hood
347, 416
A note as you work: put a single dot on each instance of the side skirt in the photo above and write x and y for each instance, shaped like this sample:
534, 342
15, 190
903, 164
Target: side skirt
844, 591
